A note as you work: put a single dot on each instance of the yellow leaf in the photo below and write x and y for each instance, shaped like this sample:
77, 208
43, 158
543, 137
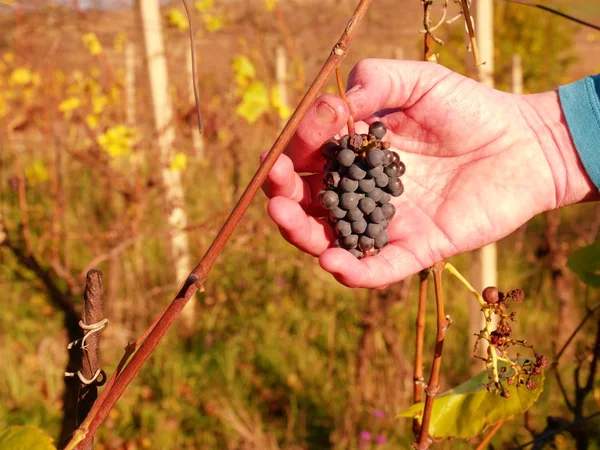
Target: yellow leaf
120, 40
175, 18
99, 103
203, 5
118, 140
92, 121
283, 109
255, 102
91, 42
243, 70
9, 57
214, 23
7, 2
20, 77
37, 172
270, 4
3, 107
69, 104
179, 162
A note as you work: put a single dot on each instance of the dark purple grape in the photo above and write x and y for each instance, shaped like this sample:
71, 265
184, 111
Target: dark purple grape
366, 185
355, 142
385, 224
392, 170
401, 168
388, 157
359, 226
336, 243
343, 228
382, 239
367, 205
382, 180
354, 214
337, 213
395, 187
344, 141
329, 148
375, 194
357, 253
377, 129
350, 241
375, 171
356, 172
395, 157
332, 179
331, 165
377, 216
348, 184
366, 243
373, 229
348, 200
329, 199
375, 157
388, 210
346, 157
385, 198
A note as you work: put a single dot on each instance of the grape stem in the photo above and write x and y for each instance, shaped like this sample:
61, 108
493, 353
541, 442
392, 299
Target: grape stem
488, 324
342, 90
195, 281
469, 22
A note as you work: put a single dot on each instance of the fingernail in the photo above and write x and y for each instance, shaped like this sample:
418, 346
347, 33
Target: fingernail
325, 114
353, 89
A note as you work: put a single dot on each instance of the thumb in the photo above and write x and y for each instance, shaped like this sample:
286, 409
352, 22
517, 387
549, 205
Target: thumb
376, 84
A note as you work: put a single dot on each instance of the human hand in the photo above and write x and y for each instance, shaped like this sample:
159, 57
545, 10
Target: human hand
480, 163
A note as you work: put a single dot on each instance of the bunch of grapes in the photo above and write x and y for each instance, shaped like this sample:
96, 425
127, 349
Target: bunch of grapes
362, 174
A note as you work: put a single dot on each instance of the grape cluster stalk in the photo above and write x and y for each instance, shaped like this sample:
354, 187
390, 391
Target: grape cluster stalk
362, 175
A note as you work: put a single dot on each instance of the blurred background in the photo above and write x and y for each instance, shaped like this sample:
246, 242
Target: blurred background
101, 166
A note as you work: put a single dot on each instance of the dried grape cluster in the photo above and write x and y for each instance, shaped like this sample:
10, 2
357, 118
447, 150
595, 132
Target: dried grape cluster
362, 174
523, 370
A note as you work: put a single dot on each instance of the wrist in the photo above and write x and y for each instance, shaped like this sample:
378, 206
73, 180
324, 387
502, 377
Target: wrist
547, 122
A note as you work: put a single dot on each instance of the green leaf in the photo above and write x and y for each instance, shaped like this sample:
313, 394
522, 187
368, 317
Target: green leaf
25, 438
585, 263
466, 410
255, 102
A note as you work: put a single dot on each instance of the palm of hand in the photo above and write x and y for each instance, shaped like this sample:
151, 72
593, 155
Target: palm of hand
466, 171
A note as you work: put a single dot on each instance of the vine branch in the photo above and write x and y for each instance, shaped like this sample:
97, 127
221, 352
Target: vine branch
418, 378
554, 11
199, 274
443, 322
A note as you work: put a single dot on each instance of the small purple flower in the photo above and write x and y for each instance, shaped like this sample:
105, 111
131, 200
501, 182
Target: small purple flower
365, 435
362, 445
380, 439
281, 282
379, 413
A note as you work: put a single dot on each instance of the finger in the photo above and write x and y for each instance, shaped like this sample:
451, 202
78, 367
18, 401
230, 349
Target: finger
392, 264
376, 84
283, 181
299, 229
323, 120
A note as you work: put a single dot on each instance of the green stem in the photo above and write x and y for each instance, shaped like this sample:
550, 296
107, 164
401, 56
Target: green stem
486, 314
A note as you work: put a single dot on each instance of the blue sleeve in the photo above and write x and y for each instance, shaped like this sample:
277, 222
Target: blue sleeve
580, 103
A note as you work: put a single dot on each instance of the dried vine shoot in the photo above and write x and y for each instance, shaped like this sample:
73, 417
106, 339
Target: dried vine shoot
194, 283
